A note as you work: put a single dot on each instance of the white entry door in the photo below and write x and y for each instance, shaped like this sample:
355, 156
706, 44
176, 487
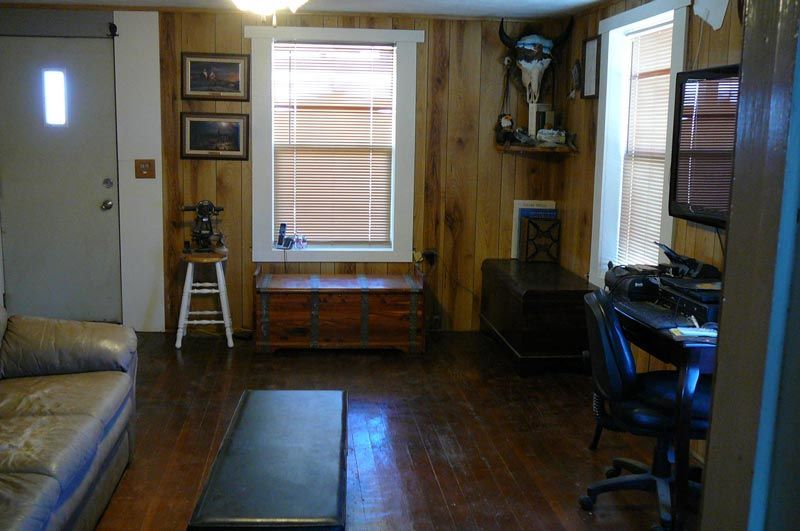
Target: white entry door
58, 183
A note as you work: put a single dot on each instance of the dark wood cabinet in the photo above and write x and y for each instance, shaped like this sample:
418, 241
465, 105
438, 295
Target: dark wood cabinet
536, 308
339, 311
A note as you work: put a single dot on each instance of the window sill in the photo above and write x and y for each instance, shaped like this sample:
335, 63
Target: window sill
338, 254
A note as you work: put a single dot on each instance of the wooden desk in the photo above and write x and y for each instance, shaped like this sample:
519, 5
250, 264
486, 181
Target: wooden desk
692, 357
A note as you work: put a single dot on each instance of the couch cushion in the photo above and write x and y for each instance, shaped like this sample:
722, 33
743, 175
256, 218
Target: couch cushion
26, 500
96, 394
59, 446
35, 346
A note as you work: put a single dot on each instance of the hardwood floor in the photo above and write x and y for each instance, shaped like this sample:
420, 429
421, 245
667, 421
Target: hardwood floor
452, 439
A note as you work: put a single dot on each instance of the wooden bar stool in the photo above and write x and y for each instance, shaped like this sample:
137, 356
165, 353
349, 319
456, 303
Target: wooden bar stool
191, 287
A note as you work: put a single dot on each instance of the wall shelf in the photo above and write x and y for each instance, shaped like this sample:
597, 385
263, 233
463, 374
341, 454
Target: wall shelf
534, 150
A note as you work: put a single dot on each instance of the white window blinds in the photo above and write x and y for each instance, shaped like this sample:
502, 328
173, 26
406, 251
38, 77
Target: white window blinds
645, 155
333, 134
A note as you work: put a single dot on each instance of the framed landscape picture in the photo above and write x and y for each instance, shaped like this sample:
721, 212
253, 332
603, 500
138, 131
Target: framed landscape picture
215, 76
214, 136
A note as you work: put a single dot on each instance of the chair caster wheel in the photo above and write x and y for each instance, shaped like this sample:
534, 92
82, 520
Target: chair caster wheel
612, 472
586, 503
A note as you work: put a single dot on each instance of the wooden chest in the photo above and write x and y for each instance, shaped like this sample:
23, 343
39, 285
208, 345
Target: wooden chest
536, 308
339, 311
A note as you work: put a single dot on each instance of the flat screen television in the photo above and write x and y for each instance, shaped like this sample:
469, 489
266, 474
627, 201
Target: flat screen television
703, 142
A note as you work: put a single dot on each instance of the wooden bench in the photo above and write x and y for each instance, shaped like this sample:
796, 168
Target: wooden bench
339, 311
281, 465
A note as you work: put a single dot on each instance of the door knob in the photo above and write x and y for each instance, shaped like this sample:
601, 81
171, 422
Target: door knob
107, 204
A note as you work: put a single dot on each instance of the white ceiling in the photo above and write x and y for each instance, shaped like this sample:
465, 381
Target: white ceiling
460, 8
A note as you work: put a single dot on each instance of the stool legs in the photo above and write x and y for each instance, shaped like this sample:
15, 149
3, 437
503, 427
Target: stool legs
223, 300
205, 288
186, 300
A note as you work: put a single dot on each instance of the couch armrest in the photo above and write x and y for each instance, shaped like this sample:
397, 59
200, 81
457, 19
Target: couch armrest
34, 346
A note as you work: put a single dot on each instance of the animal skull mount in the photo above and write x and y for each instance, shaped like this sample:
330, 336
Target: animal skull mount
532, 54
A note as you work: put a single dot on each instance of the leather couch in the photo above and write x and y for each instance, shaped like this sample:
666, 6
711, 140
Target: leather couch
67, 400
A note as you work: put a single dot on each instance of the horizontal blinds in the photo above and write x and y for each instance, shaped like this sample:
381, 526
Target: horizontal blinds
645, 154
333, 132
707, 141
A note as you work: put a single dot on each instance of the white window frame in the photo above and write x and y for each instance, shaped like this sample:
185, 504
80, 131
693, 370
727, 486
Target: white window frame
612, 122
262, 38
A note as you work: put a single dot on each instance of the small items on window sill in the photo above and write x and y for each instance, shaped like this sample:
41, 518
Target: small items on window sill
298, 241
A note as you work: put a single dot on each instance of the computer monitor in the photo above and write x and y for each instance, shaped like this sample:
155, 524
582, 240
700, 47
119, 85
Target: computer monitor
703, 142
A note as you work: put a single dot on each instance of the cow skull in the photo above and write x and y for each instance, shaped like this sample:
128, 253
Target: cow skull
533, 54
532, 66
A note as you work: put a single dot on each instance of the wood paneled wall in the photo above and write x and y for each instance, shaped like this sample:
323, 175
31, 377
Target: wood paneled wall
706, 48
464, 188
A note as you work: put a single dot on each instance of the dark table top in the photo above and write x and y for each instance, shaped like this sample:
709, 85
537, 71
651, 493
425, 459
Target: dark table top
539, 277
282, 464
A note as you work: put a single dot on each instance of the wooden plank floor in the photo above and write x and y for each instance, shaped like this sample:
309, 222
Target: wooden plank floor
452, 439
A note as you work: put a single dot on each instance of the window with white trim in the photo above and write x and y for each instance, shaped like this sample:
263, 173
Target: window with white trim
643, 169
333, 133
333, 142
642, 51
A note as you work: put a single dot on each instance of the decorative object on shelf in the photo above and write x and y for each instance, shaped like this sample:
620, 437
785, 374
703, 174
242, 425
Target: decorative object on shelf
533, 54
575, 80
591, 67
215, 76
551, 137
541, 116
214, 136
267, 8
522, 137
504, 129
539, 239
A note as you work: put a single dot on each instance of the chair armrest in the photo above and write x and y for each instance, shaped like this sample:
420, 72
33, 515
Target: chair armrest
34, 346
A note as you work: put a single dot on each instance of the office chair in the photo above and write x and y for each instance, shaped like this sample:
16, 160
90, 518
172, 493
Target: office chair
641, 404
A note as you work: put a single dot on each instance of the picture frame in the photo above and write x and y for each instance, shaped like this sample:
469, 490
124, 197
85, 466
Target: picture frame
215, 136
215, 76
590, 88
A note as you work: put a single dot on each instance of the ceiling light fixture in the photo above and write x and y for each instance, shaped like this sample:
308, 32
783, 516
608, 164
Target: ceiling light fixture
266, 8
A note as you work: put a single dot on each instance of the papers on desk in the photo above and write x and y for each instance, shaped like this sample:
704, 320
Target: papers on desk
683, 332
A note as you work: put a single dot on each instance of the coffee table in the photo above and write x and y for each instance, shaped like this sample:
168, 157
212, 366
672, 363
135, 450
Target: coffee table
281, 465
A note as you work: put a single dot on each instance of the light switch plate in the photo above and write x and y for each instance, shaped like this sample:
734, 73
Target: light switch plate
145, 168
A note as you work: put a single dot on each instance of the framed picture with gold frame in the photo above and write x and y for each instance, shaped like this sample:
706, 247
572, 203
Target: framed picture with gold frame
216, 136
215, 76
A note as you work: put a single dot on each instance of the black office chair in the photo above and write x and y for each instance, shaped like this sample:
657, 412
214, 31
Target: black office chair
642, 404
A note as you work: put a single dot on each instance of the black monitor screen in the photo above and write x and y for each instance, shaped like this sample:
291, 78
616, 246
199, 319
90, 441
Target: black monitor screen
704, 137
